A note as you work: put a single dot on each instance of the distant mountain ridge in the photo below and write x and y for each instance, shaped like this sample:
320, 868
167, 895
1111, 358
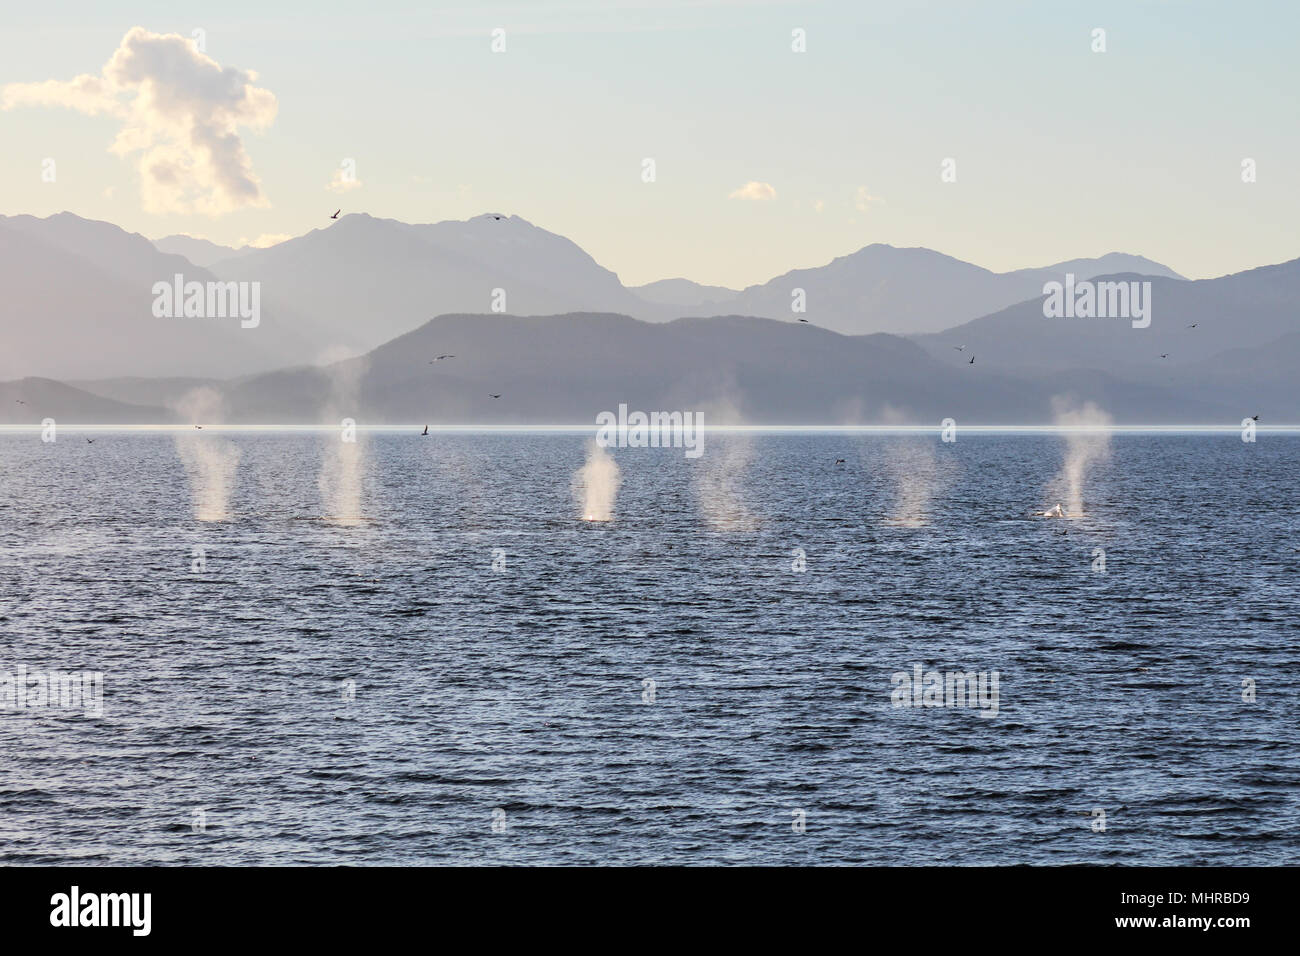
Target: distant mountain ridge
1242, 310
397, 273
77, 311
883, 288
201, 252
30, 401
565, 369
360, 281
683, 293
365, 280
78, 303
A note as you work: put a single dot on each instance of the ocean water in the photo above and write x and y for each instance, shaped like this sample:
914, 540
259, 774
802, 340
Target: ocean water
376, 691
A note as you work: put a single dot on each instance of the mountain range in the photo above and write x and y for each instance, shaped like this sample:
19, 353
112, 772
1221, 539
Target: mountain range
887, 332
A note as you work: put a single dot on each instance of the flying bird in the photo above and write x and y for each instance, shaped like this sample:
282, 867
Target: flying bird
496, 396
1193, 325
496, 217
960, 348
803, 320
441, 357
839, 461
20, 401
336, 213
90, 441
972, 360
1164, 355
426, 430
198, 426
1254, 418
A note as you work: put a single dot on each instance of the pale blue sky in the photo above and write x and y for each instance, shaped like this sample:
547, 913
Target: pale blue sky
1060, 152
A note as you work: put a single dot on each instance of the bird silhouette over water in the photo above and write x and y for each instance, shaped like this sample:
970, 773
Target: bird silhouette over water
336, 213
805, 321
426, 430
200, 427
90, 441
1254, 418
839, 461
496, 217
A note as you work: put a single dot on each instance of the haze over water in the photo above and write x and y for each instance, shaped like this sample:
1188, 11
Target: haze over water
521, 689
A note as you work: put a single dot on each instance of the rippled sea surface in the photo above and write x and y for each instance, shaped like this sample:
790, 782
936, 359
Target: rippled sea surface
325, 693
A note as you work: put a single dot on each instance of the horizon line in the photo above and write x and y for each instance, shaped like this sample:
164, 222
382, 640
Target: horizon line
584, 428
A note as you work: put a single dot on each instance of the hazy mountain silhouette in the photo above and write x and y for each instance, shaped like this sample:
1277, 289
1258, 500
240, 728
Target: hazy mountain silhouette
201, 252
398, 275
1242, 310
566, 368
358, 282
364, 280
882, 288
1260, 380
29, 401
563, 369
685, 294
78, 303
158, 392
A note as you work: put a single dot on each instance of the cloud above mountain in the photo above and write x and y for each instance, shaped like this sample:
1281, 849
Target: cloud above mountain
342, 181
266, 240
181, 115
754, 191
863, 200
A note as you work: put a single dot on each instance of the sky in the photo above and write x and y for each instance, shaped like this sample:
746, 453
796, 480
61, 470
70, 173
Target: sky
765, 159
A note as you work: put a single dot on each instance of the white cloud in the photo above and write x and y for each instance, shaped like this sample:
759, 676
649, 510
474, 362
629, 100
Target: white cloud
180, 110
342, 181
754, 191
265, 240
864, 199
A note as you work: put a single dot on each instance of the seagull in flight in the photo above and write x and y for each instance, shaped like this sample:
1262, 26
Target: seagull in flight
960, 348
200, 427
426, 430
839, 461
496, 396
20, 401
1254, 418
336, 213
972, 360
441, 357
496, 217
1193, 325
803, 320
90, 441
1164, 355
